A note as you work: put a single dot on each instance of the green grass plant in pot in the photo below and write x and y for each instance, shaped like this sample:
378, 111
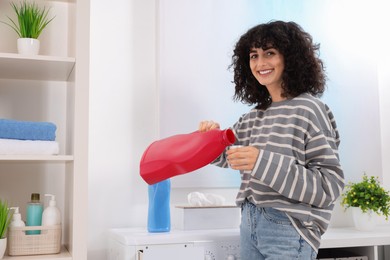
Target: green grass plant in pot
31, 20
5, 220
367, 199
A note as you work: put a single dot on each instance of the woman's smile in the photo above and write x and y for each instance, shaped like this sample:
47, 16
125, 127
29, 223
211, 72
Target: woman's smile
265, 72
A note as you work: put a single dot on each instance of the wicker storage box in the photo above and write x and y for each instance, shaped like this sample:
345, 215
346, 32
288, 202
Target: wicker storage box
48, 242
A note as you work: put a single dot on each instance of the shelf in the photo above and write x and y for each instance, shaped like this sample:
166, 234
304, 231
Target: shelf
351, 237
63, 255
54, 158
65, 1
39, 67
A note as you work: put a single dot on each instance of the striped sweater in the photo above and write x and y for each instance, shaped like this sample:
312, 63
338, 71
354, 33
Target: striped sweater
298, 169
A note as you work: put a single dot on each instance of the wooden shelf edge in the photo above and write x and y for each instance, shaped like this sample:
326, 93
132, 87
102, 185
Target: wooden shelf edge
6, 55
351, 237
39, 67
55, 158
63, 255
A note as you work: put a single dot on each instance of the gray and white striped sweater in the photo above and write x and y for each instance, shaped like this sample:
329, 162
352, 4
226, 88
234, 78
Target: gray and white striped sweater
298, 169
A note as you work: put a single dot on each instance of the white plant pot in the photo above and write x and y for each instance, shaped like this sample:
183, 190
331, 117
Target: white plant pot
364, 221
3, 246
28, 46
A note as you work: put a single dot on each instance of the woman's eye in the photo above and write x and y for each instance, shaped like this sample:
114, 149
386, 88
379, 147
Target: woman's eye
253, 56
269, 53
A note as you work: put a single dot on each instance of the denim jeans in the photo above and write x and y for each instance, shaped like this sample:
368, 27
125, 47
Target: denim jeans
267, 233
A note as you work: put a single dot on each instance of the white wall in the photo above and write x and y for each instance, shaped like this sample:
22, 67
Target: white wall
122, 115
384, 94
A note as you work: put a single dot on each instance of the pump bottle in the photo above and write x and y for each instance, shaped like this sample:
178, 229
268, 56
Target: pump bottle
51, 215
16, 218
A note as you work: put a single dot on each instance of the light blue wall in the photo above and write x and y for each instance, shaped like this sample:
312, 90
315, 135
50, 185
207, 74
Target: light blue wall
195, 47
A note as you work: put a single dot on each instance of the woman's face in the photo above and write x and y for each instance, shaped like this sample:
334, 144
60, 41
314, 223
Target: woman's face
267, 66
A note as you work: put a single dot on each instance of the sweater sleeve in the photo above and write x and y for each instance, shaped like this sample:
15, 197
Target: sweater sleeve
221, 161
317, 182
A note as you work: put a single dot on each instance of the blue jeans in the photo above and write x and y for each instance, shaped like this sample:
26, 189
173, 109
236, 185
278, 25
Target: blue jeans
267, 233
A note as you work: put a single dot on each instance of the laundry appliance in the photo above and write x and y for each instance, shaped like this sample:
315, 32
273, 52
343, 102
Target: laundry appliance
208, 244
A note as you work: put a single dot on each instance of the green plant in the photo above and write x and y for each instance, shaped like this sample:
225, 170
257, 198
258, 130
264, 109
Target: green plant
31, 19
367, 195
5, 218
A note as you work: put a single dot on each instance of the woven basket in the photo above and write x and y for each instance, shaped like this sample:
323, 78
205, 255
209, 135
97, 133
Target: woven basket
48, 242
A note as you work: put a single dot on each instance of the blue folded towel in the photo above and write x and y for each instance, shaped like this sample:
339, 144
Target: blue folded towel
24, 130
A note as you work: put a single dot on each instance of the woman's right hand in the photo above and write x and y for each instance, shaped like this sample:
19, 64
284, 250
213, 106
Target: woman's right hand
205, 126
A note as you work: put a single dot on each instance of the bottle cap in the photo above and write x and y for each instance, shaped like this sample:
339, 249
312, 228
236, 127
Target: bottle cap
16, 215
52, 201
35, 197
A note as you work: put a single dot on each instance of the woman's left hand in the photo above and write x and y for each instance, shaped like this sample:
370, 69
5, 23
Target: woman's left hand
242, 158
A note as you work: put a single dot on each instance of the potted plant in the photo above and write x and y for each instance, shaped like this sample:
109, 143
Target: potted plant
5, 220
31, 20
367, 199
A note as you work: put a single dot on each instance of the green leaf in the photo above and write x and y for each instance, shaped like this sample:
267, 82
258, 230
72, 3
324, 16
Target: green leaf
368, 195
5, 218
31, 19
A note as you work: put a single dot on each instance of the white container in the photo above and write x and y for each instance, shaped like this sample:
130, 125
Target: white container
47, 242
364, 221
3, 246
16, 218
208, 217
51, 216
28, 46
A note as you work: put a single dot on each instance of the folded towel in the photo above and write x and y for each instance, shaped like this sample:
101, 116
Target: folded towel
199, 199
27, 147
24, 130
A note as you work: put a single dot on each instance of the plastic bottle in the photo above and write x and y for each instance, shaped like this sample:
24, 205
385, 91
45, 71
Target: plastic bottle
184, 153
51, 215
34, 214
159, 216
16, 219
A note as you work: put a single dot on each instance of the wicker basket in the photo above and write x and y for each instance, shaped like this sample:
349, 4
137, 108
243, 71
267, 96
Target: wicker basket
48, 242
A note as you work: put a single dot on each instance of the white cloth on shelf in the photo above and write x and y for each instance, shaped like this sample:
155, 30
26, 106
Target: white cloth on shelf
28, 147
199, 199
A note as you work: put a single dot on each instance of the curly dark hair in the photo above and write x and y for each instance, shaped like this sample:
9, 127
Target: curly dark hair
303, 69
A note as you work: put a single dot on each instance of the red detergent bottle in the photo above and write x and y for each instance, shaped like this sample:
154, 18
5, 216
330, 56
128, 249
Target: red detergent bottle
183, 153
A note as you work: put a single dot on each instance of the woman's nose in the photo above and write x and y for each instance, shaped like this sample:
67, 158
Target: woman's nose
260, 62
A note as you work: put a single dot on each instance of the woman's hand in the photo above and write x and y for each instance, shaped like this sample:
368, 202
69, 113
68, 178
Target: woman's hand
205, 126
242, 158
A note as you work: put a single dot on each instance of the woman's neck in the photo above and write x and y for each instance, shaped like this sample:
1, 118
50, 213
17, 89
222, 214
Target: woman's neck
276, 94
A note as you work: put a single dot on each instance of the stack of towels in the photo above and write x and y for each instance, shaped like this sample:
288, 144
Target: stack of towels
27, 138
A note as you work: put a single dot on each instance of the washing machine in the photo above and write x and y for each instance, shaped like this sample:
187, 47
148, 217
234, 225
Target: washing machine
139, 244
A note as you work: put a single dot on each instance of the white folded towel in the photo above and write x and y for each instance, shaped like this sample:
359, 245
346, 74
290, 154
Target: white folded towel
199, 199
28, 147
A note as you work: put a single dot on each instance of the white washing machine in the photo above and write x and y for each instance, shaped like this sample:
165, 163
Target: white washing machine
138, 244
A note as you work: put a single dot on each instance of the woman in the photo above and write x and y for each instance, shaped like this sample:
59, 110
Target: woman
289, 162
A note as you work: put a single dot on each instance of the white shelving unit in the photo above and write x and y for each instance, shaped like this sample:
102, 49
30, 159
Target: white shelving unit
366, 243
61, 83
15, 66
